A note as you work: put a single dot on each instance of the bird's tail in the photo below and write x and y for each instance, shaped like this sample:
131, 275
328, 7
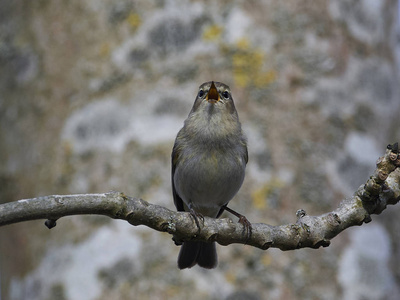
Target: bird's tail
203, 254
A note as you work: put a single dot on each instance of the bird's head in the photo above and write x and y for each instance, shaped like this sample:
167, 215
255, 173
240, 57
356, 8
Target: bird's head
213, 113
213, 98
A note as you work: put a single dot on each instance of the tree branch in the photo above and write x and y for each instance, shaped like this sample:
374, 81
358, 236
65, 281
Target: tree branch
381, 189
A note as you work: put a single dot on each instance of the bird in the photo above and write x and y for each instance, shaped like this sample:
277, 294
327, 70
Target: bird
209, 158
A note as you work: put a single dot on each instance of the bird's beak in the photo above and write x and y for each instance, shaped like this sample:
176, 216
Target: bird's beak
213, 95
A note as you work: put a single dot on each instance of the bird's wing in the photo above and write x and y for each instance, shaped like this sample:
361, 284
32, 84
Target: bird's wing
174, 159
246, 153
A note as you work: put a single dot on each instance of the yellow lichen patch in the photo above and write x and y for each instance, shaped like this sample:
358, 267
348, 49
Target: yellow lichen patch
243, 44
248, 66
266, 259
230, 277
240, 77
68, 148
172, 291
212, 33
134, 20
104, 49
240, 60
259, 196
265, 78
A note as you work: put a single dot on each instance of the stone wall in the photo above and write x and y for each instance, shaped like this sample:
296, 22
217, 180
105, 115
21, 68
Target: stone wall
92, 94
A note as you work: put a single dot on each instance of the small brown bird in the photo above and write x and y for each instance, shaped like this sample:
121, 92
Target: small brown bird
208, 166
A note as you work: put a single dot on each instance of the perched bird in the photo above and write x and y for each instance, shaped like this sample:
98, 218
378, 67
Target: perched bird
209, 158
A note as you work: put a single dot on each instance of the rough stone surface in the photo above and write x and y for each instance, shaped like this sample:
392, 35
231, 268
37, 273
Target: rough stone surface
92, 94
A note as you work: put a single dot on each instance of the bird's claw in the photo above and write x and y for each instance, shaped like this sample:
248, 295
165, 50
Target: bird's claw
247, 227
196, 216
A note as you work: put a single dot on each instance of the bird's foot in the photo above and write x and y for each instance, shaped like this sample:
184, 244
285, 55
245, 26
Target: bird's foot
196, 216
247, 227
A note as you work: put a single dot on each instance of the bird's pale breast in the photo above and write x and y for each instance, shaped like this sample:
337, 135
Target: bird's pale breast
209, 180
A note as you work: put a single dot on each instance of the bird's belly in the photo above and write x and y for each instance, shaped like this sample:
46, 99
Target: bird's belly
208, 183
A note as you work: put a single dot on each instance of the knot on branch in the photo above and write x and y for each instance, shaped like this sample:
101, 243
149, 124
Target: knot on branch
310, 231
394, 153
50, 223
322, 243
300, 214
375, 186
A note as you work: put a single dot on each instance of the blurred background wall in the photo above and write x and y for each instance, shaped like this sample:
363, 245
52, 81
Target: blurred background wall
92, 94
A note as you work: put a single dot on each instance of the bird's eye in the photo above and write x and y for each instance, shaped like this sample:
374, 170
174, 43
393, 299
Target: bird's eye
225, 94
201, 93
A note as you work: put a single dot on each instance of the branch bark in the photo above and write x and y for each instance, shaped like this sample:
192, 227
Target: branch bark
382, 189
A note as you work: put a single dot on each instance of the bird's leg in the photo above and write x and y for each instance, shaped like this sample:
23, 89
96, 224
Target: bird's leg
196, 216
242, 220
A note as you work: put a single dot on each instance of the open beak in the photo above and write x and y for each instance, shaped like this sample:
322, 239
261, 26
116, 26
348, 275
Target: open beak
213, 95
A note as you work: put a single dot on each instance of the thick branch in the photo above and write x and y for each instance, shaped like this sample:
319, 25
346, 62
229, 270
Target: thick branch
381, 189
